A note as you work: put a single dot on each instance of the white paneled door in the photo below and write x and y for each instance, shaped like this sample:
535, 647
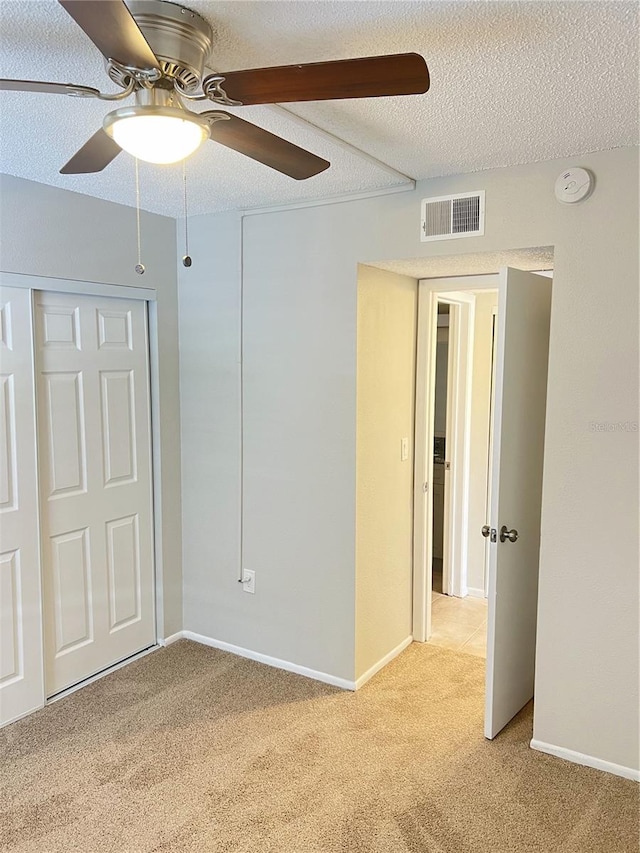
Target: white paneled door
20, 598
95, 483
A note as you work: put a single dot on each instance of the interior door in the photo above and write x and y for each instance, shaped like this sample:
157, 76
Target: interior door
524, 306
20, 598
95, 483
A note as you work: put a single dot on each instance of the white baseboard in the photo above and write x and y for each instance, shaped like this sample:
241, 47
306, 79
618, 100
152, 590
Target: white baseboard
475, 593
383, 662
173, 638
316, 675
586, 760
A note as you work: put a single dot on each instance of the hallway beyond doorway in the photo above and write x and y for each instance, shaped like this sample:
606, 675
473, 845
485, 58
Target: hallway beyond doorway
459, 624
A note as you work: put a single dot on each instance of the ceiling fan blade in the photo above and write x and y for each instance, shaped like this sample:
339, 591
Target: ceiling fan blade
94, 155
113, 30
369, 77
48, 88
265, 147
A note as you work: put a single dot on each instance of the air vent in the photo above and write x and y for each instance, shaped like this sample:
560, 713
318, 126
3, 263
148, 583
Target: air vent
446, 217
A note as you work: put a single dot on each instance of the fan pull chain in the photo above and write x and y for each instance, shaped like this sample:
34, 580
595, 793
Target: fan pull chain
139, 265
186, 258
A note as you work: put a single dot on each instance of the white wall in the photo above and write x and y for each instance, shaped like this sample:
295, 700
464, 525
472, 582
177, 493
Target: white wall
300, 281
45, 231
386, 359
299, 452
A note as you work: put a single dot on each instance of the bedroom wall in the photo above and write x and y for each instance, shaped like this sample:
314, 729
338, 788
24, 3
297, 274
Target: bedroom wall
386, 364
300, 284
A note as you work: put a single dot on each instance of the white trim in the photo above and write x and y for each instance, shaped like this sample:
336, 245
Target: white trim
69, 285
492, 396
134, 657
457, 486
473, 592
38, 469
340, 198
316, 675
423, 465
586, 760
342, 143
171, 639
153, 342
383, 662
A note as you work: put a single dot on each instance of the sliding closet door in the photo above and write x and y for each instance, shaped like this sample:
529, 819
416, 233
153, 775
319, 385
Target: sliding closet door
20, 614
95, 483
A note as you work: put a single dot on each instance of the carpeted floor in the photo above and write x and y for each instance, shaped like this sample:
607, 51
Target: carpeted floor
191, 750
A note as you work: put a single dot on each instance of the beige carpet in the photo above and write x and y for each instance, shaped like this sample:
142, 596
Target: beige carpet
191, 749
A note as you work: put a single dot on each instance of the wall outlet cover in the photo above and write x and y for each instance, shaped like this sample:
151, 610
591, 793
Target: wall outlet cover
248, 581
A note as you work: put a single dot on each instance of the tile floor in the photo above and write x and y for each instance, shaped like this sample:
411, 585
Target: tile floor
459, 623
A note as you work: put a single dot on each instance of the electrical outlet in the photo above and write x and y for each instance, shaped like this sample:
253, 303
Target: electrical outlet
248, 581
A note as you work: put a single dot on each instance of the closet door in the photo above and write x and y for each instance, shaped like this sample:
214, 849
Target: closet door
95, 483
20, 597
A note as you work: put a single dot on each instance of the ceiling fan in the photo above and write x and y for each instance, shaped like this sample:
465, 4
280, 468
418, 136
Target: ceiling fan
156, 51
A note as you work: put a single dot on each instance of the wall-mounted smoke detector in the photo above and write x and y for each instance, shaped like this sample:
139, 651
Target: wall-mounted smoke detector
448, 216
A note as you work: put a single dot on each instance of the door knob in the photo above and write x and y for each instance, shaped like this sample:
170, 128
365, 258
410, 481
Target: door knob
505, 534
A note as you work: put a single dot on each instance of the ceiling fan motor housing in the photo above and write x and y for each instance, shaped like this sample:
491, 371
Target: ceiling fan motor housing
180, 39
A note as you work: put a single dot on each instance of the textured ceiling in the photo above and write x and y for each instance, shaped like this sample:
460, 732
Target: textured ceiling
511, 82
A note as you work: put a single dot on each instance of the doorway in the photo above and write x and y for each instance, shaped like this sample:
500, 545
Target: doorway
499, 500
461, 436
453, 404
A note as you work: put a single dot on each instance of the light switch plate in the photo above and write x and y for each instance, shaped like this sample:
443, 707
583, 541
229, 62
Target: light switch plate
248, 581
404, 449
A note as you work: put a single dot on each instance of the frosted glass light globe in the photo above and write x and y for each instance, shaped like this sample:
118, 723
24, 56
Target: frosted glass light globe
156, 134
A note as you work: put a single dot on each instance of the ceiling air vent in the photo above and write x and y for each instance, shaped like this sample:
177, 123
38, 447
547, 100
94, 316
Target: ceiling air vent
446, 217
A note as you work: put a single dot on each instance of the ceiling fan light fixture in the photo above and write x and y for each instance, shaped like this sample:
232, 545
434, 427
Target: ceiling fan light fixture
156, 134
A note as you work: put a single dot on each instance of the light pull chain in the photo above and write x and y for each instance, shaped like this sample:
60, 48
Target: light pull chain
139, 265
186, 258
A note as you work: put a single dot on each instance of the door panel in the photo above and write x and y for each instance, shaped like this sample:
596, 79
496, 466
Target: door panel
92, 366
118, 425
8, 472
20, 598
524, 306
65, 429
123, 551
11, 633
71, 585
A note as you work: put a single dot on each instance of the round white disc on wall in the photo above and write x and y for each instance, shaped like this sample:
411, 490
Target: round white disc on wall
574, 185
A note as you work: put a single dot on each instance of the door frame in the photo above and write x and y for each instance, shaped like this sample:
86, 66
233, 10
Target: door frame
459, 292
149, 296
456, 473
494, 352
